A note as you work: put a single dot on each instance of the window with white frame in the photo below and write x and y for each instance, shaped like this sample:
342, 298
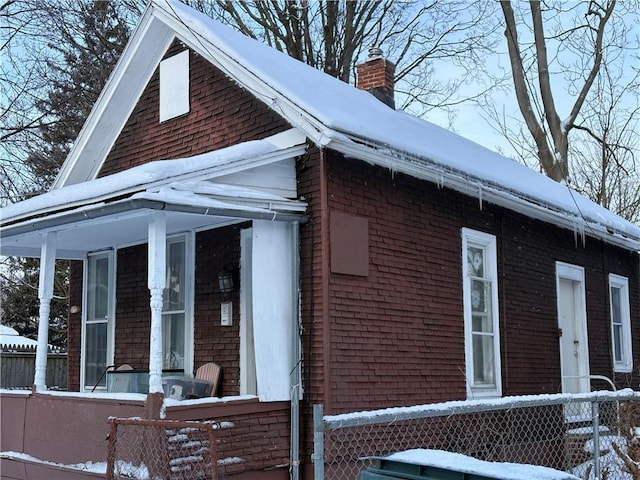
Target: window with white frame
620, 323
480, 292
176, 324
97, 338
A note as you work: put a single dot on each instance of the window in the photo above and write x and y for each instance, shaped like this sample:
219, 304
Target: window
97, 337
480, 292
620, 323
176, 326
174, 86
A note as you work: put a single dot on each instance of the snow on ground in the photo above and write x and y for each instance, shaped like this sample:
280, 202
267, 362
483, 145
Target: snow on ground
611, 466
137, 471
94, 467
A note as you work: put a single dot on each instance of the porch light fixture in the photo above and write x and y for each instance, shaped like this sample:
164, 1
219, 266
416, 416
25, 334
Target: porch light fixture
225, 281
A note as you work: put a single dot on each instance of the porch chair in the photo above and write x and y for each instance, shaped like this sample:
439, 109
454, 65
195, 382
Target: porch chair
211, 373
120, 383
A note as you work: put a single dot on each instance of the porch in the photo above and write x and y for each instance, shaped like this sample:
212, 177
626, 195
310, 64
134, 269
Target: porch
65, 435
148, 247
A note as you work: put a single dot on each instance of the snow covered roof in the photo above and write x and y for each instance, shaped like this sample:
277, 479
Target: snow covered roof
114, 210
9, 337
336, 115
456, 462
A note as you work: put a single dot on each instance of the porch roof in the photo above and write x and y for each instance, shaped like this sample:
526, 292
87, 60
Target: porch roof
115, 210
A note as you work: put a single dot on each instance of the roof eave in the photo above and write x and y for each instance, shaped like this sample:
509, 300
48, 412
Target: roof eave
293, 211
461, 182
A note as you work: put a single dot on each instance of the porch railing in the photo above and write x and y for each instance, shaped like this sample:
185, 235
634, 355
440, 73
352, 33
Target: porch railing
171, 450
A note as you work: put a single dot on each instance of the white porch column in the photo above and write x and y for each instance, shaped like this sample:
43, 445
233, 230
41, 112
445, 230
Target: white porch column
156, 283
45, 293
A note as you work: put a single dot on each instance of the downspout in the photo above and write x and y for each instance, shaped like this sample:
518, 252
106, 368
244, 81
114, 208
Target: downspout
324, 281
295, 374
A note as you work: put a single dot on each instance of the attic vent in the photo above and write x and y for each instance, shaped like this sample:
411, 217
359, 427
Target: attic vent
174, 86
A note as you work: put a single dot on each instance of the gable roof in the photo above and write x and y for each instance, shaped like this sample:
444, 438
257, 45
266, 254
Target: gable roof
335, 115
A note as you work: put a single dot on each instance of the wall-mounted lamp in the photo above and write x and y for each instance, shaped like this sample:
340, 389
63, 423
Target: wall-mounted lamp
75, 309
225, 281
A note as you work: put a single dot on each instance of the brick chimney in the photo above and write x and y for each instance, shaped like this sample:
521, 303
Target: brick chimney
376, 75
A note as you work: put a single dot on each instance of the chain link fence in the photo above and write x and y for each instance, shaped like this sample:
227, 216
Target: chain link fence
161, 449
593, 436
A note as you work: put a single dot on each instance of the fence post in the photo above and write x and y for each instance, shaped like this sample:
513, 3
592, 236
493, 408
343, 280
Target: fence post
111, 448
318, 442
595, 416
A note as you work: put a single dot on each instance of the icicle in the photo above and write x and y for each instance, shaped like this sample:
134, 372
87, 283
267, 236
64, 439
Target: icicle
480, 196
441, 182
575, 234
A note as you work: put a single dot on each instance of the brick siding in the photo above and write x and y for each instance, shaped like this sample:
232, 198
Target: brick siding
222, 114
215, 249
397, 335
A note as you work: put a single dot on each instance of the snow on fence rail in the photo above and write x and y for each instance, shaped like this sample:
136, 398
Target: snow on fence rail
167, 449
591, 435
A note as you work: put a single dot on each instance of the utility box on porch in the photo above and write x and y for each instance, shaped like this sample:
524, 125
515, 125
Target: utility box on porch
440, 465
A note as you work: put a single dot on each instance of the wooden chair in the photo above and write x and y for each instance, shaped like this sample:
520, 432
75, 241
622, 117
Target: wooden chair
211, 373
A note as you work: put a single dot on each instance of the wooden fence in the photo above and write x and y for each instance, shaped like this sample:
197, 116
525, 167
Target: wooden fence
17, 368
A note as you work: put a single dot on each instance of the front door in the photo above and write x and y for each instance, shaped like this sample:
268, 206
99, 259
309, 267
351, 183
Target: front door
572, 322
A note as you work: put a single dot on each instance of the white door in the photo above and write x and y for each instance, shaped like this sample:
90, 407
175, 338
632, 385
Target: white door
572, 322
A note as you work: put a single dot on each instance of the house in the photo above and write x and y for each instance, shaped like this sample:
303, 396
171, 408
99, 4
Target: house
226, 203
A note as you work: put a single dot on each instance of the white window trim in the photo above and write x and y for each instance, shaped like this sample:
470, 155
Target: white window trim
622, 283
489, 241
111, 324
189, 297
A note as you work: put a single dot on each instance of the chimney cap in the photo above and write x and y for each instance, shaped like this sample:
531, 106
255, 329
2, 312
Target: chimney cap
375, 52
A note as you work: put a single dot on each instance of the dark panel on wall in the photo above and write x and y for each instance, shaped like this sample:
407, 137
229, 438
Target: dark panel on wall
349, 244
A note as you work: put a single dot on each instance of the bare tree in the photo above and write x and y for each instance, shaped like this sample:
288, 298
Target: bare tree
334, 35
60, 55
55, 62
573, 54
607, 149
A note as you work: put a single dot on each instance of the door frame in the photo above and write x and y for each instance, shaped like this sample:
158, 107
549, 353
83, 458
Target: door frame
575, 273
248, 382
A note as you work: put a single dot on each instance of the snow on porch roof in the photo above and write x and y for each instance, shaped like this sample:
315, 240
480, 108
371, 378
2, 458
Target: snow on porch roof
339, 116
113, 210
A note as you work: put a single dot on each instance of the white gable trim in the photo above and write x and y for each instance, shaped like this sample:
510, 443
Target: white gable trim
117, 100
155, 33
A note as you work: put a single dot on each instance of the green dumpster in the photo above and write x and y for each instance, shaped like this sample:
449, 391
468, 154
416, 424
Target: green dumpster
423, 464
